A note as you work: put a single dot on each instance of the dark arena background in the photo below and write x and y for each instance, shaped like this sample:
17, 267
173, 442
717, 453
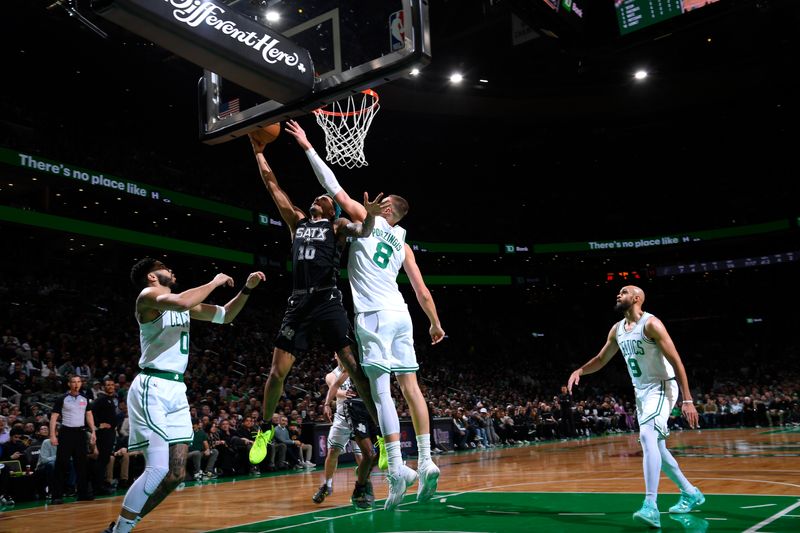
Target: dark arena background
540, 184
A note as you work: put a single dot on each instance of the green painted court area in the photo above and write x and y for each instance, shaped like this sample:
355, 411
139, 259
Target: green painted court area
558, 512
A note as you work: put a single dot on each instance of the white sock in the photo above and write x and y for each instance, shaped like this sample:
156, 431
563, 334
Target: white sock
651, 461
395, 459
124, 525
424, 447
670, 467
329, 482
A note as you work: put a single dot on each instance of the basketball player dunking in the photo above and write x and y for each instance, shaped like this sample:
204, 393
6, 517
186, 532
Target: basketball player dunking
317, 243
383, 324
654, 365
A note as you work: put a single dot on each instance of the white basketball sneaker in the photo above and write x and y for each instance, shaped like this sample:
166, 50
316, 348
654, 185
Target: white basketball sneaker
428, 480
398, 483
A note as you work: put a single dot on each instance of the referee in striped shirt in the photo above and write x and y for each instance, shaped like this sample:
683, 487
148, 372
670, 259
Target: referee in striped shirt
75, 412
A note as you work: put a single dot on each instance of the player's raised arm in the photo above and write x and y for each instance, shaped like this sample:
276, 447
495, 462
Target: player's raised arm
290, 213
325, 175
153, 298
227, 313
373, 208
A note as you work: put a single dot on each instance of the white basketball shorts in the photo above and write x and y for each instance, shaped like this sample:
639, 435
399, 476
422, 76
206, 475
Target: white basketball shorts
386, 341
655, 402
157, 405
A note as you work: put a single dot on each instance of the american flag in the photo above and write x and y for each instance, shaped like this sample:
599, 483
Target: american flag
228, 108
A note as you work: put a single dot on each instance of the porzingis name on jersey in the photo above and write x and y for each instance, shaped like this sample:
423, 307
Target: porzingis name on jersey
388, 238
311, 234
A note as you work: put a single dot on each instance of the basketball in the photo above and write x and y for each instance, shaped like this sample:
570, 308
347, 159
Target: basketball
271, 132
267, 134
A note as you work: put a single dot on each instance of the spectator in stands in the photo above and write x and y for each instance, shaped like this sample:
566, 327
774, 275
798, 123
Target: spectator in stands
226, 447
491, 434
14, 449
123, 457
749, 412
104, 410
82, 369
777, 408
736, 412
5, 431
295, 427
46, 467
459, 429
292, 447
66, 368
201, 449
42, 434
122, 386
49, 375
710, 413
244, 436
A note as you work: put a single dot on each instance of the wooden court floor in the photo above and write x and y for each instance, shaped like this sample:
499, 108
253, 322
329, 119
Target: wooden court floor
751, 478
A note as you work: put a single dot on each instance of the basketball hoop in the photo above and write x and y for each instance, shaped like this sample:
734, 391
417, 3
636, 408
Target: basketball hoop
346, 127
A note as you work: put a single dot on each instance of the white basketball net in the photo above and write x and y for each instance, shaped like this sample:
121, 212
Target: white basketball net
346, 127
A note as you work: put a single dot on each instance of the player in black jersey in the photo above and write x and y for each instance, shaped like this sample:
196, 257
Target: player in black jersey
317, 242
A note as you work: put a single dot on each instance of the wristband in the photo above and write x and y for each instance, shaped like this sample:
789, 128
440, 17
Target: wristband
688, 401
246, 290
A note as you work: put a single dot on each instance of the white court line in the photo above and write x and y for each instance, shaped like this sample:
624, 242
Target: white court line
503, 512
757, 506
716, 518
772, 518
456, 507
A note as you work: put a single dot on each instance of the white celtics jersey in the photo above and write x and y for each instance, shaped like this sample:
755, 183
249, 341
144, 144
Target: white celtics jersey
344, 386
646, 363
373, 266
165, 342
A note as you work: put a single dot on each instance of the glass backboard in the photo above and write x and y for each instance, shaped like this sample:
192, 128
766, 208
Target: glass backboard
354, 45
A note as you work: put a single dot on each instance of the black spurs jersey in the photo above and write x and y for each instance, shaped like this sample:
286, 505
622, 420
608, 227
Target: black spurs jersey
315, 255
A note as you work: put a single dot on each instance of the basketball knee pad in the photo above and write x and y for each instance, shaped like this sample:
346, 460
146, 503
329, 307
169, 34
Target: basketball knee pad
154, 476
143, 487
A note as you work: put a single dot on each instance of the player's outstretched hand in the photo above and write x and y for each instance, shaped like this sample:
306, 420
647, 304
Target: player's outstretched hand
223, 279
298, 133
254, 279
376, 206
574, 379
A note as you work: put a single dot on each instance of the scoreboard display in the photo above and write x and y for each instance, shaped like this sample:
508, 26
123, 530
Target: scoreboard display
634, 15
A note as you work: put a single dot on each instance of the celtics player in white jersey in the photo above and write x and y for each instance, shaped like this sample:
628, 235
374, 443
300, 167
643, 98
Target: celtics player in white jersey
383, 324
160, 424
351, 421
654, 366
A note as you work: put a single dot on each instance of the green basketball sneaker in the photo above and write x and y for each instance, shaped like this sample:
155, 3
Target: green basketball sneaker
259, 449
383, 458
688, 501
648, 514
